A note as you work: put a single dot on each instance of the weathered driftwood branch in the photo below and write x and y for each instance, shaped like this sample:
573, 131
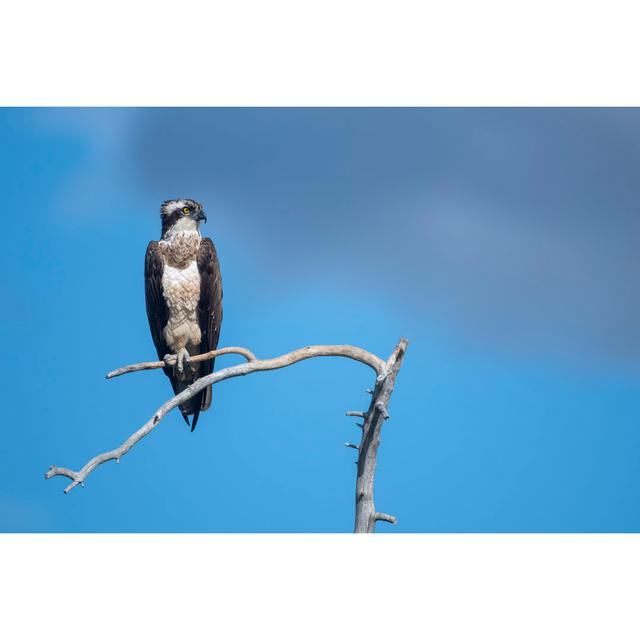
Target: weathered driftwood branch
374, 417
386, 372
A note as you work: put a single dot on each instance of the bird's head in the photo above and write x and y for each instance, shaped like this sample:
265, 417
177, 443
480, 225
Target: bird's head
181, 215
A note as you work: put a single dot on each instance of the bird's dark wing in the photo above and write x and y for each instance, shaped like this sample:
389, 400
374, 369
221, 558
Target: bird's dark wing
157, 310
210, 304
209, 311
158, 315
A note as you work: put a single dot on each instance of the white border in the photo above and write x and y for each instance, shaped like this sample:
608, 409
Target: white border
320, 586
319, 53
287, 52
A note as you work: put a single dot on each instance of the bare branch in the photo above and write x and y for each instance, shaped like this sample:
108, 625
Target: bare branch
253, 365
366, 514
143, 366
373, 418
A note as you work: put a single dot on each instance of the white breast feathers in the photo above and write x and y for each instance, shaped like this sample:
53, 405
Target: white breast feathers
181, 288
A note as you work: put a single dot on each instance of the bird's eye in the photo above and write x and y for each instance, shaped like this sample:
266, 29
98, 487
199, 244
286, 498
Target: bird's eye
185, 209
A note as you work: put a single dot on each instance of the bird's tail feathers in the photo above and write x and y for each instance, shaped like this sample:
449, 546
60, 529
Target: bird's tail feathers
185, 417
192, 407
206, 399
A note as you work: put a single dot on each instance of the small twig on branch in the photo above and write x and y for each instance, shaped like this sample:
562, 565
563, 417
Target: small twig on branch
386, 517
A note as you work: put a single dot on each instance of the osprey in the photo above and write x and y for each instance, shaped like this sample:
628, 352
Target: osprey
183, 291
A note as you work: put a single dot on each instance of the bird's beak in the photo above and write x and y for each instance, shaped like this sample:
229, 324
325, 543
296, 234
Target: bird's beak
201, 215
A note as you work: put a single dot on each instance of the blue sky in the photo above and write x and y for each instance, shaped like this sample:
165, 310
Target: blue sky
501, 242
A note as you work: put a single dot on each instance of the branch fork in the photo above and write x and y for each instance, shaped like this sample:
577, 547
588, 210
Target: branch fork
373, 418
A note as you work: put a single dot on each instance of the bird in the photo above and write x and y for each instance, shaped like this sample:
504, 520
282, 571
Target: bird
183, 294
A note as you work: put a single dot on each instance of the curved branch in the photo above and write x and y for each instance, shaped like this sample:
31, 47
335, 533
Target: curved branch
159, 364
253, 365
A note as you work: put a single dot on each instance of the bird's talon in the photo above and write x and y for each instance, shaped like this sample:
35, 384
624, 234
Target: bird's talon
182, 359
